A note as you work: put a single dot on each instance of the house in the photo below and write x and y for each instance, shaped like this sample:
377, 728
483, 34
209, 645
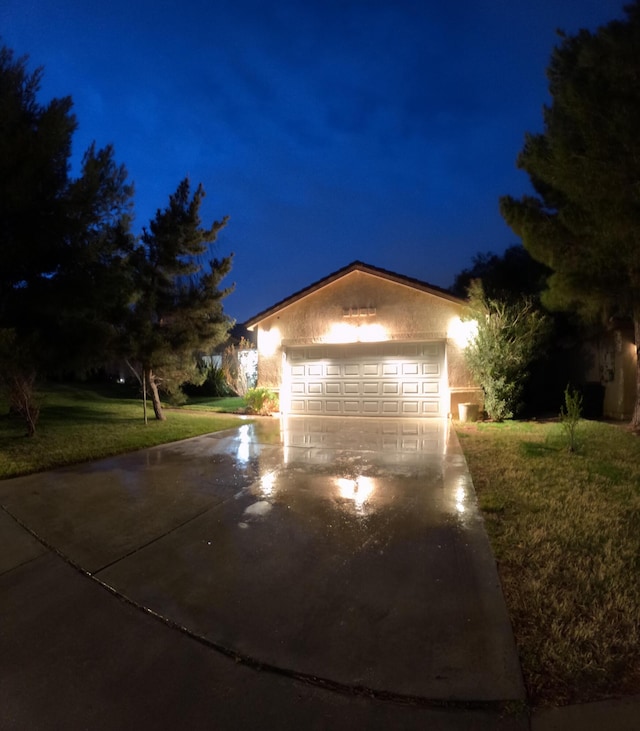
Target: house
606, 367
364, 341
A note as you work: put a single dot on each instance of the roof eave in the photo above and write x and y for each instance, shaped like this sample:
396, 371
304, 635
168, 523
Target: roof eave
354, 266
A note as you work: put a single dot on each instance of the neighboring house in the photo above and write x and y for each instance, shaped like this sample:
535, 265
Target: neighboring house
241, 342
607, 366
364, 341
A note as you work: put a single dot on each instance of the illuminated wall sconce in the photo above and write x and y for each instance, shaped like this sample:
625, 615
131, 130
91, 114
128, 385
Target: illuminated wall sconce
268, 341
462, 332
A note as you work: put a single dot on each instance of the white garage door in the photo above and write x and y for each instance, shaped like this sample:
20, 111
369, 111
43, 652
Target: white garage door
381, 379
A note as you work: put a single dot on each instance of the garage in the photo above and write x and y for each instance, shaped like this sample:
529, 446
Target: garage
366, 379
364, 341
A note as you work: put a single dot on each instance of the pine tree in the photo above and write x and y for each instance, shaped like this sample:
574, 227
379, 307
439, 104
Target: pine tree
64, 243
178, 309
584, 222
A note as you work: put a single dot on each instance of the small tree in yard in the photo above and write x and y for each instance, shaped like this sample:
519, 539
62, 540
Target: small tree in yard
508, 339
570, 414
178, 309
17, 379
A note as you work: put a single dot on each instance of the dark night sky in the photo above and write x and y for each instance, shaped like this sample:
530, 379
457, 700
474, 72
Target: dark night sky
329, 130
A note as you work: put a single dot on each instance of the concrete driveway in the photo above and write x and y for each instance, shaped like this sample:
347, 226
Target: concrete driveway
343, 554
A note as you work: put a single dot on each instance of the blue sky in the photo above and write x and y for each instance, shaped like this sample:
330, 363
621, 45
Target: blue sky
328, 130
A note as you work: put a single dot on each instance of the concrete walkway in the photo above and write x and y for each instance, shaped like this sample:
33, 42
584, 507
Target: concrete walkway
303, 573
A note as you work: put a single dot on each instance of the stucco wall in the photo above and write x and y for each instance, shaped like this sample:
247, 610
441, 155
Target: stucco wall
609, 361
620, 391
404, 312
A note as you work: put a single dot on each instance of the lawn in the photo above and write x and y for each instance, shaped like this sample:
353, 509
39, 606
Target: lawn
565, 529
225, 404
79, 423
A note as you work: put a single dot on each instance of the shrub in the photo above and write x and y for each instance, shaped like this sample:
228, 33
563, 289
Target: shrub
508, 338
500, 397
214, 383
262, 401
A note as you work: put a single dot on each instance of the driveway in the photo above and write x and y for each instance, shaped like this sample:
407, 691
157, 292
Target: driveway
346, 553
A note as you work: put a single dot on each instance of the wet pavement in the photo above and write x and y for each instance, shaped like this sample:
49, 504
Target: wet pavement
342, 559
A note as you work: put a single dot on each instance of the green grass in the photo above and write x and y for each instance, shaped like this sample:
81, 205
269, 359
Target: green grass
565, 529
79, 423
226, 404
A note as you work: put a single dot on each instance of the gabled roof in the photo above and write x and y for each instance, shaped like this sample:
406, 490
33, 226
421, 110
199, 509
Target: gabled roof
355, 266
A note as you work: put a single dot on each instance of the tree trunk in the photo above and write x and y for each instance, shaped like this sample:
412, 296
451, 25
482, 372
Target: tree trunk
635, 419
144, 397
155, 396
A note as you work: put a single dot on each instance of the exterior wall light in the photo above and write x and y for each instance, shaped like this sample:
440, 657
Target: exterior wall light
268, 341
462, 332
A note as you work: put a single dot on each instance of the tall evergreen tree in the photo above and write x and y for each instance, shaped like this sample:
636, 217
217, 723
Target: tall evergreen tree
35, 146
178, 308
63, 242
509, 276
93, 286
584, 222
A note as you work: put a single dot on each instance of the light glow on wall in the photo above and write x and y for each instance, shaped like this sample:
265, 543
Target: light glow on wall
462, 332
372, 333
344, 332
268, 341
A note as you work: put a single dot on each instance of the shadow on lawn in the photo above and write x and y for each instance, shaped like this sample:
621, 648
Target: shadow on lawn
538, 449
75, 413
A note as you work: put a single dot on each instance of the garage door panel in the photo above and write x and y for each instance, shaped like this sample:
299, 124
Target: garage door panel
379, 379
351, 406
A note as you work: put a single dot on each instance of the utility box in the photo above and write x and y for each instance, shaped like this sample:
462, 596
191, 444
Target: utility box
468, 412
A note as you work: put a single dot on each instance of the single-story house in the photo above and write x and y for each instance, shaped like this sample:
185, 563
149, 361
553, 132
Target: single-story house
365, 341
